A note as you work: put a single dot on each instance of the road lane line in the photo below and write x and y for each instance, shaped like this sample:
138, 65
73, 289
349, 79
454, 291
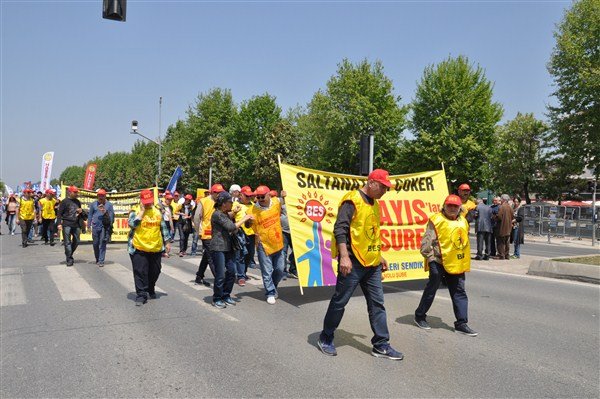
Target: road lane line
531, 276
183, 276
124, 276
6, 271
12, 288
70, 284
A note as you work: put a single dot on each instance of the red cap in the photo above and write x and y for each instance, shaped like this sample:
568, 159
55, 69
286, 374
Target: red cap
261, 190
27, 190
73, 189
464, 186
246, 190
217, 188
101, 192
167, 192
273, 193
168, 196
381, 176
188, 197
453, 199
48, 191
147, 197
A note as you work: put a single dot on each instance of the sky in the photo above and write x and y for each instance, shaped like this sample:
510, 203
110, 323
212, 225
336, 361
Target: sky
72, 82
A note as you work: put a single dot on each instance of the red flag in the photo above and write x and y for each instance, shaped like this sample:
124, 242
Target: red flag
90, 176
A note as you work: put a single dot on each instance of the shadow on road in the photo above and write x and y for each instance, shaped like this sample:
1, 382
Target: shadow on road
342, 338
434, 322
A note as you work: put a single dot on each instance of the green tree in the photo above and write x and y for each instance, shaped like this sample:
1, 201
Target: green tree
114, 171
575, 67
73, 175
453, 121
2, 187
519, 159
358, 100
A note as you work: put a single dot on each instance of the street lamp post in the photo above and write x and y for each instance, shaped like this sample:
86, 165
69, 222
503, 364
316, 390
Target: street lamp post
210, 162
134, 130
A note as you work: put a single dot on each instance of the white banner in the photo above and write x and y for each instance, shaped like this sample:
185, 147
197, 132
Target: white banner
47, 159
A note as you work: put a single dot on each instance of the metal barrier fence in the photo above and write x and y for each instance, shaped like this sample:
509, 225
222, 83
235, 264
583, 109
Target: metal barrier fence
559, 221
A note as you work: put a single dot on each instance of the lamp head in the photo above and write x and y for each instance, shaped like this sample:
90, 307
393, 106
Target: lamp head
134, 126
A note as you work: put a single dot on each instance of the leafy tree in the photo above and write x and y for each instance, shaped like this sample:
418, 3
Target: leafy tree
520, 155
114, 171
453, 120
575, 67
358, 100
54, 182
73, 175
2, 187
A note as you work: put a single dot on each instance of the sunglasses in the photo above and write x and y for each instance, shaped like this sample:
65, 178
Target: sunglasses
260, 197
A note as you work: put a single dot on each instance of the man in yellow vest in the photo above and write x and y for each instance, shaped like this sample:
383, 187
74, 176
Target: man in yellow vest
48, 216
269, 240
148, 239
468, 206
357, 245
447, 253
26, 215
204, 210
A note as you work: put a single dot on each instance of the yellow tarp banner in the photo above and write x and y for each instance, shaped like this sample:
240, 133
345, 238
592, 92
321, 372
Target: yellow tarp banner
312, 202
122, 204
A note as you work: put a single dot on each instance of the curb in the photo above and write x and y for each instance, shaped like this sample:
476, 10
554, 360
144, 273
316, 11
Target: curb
570, 271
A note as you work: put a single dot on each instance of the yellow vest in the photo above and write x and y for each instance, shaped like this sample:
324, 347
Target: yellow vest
453, 237
208, 208
147, 236
245, 209
466, 207
267, 225
176, 209
364, 230
26, 209
47, 206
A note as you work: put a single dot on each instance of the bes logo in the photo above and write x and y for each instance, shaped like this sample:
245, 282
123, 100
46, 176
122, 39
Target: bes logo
311, 206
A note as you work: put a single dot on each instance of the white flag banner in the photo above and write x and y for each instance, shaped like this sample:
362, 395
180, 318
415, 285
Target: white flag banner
9, 190
47, 159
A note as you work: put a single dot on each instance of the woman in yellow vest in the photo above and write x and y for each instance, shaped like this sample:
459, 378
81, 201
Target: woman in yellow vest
148, 239
26, 215
447, 253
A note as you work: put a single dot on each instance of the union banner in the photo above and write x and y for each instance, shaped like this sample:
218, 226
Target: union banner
312, 200
122, 204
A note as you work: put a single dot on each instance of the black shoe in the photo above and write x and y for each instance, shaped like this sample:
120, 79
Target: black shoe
152, 295
465, 329
477, 257
485, 257
387, 352
24, 245
326, 347
140, 300
70, 262
202, 281
422, 324
30, 241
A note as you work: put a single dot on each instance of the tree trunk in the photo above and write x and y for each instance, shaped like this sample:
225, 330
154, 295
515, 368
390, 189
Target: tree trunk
526, 192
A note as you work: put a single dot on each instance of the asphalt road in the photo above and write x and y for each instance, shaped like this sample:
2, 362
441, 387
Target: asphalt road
76, 333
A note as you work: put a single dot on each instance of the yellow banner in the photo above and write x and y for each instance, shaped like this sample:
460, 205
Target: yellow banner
122, 204
312, 202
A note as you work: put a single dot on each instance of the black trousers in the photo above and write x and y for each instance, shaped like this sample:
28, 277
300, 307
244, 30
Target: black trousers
183, 238
251, 247
146, 269
25, 227
456, 286
47, 228
206, 260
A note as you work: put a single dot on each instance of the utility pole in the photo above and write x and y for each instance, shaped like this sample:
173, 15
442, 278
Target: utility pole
594, 221
159, 139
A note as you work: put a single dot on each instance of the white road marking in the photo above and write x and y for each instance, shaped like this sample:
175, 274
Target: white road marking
124, 276
531, 276
12, 288
70, 284
183, 276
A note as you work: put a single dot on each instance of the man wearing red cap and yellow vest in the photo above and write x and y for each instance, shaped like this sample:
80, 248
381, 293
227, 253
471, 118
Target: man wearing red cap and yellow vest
26, 214
468, 206
47, 216
148, 239
269, 239
447, 252
204, 210
358, 243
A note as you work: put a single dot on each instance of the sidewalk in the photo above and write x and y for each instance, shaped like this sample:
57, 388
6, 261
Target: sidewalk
512, 266
569, 241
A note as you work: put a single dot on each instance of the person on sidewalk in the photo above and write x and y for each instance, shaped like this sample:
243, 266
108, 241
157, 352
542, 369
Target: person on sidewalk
483, 222
222, 249
72, 218
447, 252
148, 239
26, 215
505, 224
48, 217
518, 234
357, 245
101, 217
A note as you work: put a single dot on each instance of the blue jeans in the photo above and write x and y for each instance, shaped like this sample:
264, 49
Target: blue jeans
456, 287
369, 279
517, 242
195, 237
224, 263
71, 240
12, 224
240, 255
271, 267
99, 240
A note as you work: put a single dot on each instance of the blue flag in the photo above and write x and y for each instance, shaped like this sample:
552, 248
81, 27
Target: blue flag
172, 186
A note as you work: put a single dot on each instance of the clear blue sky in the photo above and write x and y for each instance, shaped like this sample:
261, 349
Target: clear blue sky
72, 82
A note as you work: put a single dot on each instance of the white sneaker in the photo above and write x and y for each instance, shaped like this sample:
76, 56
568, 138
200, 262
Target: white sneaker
271, 300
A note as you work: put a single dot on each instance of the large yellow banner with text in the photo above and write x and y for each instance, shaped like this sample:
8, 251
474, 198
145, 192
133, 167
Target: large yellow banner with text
122, 204
312, 202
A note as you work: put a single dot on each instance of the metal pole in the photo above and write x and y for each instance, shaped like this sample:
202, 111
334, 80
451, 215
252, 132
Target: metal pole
210, 175
159, 139
594, 209
371, 150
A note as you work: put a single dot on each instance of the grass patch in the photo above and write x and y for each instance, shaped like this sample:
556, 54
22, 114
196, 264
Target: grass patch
586, 260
